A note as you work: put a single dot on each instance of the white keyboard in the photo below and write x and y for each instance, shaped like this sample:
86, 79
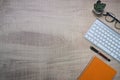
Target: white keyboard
104, 38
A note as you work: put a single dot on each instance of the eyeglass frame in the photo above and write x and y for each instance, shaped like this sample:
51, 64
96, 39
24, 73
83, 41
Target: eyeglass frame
114, 19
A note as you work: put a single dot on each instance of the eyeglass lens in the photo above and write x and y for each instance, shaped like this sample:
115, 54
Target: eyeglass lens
110, 17
117, 25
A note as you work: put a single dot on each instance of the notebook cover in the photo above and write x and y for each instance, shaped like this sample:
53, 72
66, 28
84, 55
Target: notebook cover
97, 70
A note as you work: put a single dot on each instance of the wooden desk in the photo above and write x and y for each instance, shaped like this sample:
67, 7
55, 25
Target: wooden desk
44, 39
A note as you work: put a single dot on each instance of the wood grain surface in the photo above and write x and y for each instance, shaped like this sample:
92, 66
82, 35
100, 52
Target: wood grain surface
44, 39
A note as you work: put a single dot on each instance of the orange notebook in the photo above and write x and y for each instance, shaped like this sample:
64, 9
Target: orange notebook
97, 70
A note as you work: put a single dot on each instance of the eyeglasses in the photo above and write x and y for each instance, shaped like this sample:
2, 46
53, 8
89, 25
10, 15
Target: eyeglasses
109, 17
